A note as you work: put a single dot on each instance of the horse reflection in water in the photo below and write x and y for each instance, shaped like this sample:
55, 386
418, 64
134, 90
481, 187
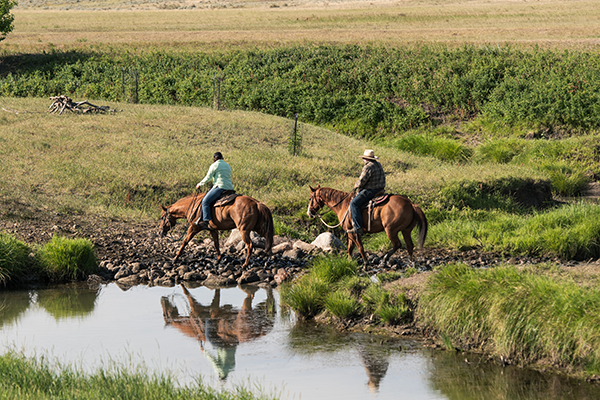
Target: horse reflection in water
222, 326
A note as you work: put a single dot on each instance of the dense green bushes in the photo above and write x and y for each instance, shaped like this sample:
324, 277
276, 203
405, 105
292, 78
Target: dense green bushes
59, 260
364, 91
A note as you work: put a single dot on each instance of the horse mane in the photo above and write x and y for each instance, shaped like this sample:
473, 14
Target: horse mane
331, 194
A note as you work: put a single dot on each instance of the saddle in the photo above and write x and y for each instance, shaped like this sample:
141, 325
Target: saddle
226, 198
380, 199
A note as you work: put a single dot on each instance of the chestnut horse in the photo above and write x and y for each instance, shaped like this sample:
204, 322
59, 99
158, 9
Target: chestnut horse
245, 214
397, 214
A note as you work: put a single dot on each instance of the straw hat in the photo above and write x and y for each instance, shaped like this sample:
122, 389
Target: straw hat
370, 155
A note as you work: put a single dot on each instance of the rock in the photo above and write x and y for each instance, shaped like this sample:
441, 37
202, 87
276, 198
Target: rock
281, 276
218, 281
235, 238
327, 242
282, 247
305, 247
137, 267
248, 277
123, 272
293, 254
193, 276
130, 280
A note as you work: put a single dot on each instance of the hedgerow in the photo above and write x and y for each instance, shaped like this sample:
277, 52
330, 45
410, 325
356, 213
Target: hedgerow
362, 91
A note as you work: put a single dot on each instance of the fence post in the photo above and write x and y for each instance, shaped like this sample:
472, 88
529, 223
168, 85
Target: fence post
136, 87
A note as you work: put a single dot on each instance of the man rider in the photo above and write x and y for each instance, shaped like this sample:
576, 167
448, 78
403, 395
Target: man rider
219, 173
370, 182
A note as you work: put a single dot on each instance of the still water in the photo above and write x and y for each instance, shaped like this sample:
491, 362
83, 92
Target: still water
240, 336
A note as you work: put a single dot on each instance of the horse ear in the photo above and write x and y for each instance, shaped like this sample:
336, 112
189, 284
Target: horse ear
311, 188
163, 207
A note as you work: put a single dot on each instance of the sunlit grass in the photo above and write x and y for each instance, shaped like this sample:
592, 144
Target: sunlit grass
520, 315
28, 378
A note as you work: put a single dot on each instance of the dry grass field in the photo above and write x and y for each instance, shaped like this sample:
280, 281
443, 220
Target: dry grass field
219, 24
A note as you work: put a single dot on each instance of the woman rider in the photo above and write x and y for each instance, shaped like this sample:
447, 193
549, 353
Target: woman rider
219, 173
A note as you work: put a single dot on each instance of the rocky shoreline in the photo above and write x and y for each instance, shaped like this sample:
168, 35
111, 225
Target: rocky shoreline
132, 253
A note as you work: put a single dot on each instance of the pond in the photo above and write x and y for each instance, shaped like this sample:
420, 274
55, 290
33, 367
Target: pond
240, 336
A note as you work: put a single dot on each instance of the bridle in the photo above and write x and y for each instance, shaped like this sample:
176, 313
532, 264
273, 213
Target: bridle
321, 203
166, 222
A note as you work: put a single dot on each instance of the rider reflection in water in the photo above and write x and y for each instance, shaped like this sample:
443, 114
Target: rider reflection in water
223, 327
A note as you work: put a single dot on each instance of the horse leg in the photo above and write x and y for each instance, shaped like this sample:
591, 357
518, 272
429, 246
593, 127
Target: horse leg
409, 243
396, 243
350, 247
191, 232
355, 239
215, 237
249, 246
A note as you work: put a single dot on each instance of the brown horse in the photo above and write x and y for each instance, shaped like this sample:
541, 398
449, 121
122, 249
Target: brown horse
245, 214
398, 214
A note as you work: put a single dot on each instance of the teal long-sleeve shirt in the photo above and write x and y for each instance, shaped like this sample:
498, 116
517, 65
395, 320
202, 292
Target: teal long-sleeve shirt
220, 173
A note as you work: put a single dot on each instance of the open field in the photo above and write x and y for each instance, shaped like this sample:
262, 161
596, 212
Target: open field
217, 25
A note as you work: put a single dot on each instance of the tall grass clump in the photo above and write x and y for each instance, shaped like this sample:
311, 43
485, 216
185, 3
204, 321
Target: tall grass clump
29, 378
334, 286
388, 307
517, 314
310, 295
15, 260
68, 259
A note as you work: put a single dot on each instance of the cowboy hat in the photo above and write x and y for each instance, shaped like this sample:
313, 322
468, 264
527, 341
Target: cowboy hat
369, 155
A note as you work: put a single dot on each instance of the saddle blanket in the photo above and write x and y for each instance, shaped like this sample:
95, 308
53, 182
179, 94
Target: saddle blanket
226, 198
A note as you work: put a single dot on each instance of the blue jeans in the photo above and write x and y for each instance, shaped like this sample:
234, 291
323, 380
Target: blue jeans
208, 200
357, 204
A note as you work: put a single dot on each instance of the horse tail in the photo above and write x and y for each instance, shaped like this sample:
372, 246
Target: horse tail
422, 224
265, 226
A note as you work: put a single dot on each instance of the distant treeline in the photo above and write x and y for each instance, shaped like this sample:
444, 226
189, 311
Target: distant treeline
362, 91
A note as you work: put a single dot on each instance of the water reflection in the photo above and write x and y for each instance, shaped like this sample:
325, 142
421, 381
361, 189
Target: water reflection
68, 301
221, 328
373, 351
12, 306
473, 378
61, 302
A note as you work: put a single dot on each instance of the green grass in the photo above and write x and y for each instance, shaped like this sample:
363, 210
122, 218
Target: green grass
26, 378
570, 232
61, 259
66, 259
333, 285
15, 260
520, 315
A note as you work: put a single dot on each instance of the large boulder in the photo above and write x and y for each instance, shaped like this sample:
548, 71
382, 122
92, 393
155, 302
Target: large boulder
235, 238
328, 242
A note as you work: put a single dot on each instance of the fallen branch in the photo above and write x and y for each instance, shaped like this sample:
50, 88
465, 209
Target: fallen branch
62, 103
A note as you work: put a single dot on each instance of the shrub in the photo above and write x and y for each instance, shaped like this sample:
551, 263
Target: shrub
68, 259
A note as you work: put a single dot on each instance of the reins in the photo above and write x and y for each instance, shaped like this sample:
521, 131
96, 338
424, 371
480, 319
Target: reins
343, 218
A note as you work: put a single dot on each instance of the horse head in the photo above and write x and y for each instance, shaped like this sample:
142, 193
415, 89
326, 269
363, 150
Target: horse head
167, 221
315, 203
